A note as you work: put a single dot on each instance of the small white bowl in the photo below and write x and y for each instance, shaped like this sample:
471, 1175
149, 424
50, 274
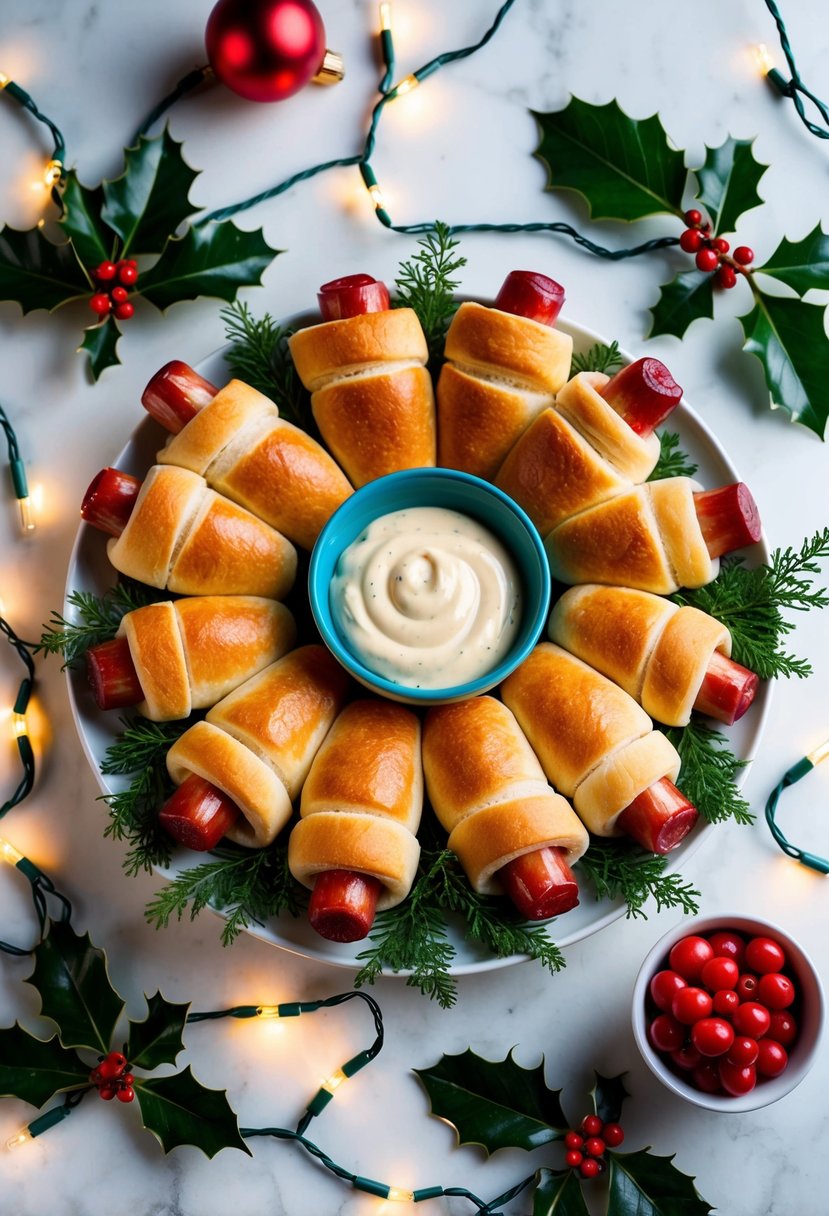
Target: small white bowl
810, 1016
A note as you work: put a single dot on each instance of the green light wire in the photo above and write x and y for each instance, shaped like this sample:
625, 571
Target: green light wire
794, 774
794, 87
27, 102
24, 692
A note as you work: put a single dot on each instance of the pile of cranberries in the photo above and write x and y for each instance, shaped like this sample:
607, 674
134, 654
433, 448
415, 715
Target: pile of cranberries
585, 1149
112, 1078
720, 1012
712, 252
112, 295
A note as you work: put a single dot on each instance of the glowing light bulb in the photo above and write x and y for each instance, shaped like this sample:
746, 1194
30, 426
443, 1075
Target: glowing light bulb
334, 1081
267, 1011
24, 1136
763, 59
27, 521
52, 173
385, 15
400, 1195
4, 80
405, 86
9, 853
376, 196
20, 726
820, 753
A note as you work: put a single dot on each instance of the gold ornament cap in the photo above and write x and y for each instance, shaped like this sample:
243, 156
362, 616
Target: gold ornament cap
331, 70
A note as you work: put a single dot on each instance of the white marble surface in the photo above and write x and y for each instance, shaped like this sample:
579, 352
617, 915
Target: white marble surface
459, 149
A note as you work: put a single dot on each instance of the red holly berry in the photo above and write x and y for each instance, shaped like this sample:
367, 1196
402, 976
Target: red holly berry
125, 1094
589, 1168
591, 1125
721, 245
726, 276
707, 260
594, 1146
107, 1092
690, 240
613, 1135
692, 217
105, 271
119, 294
112, 1066
124, 311
573, 1158
127, 273
99, 303
573, 1140
744, 255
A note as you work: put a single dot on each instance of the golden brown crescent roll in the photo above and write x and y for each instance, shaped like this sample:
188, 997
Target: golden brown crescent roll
244, 450
257, 744
501, 371
581, 403
489, 791
655, 650
371, 395
362, 800
648, 538
594, 742
191, 653
186, 537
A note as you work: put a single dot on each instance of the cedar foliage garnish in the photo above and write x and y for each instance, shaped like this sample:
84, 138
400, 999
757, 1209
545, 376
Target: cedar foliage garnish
751, 602
709, 772
426, 284
672, 462
618, 869
249, 885
98, 619
259, 355
601, 357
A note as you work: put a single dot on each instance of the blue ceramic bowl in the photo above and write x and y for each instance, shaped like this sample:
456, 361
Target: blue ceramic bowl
457, 492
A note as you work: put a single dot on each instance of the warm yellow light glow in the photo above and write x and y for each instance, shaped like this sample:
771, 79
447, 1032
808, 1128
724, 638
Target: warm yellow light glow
385, 15
376, 195
20, 726
401, 1196
267, 1011
4, 80
820, 753
9, 853
406, 85
24, 1136
24, 507
762, 58
334, 1081
52, 173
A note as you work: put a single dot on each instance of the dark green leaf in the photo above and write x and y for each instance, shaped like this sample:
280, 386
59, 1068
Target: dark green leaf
558, 1193
209, 260
100, 342
82, 223
728, 183
624, 167
179, 1110
71, 976
38, 274
34, 1070
642, 1184
494, 1103
801, 264
789, 339
683, 300
146, 204
157, 1040
608, 1095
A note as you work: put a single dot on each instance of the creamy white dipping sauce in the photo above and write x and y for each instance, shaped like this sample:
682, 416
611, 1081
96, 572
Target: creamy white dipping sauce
427, 598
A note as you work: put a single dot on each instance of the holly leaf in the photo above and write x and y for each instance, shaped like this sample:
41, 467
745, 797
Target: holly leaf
180, 1110
157, 1040
608, 1095
789, 339
146, 204
36, 1069
82, 222
558, 1193
494, 1103
213, 259
71, 976
642, 1184
38, 274
801, 264
623, 167
683, 300
728, 182
100, 343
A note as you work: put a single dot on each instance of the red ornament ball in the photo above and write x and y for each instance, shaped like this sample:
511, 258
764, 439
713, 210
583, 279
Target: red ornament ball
265, 50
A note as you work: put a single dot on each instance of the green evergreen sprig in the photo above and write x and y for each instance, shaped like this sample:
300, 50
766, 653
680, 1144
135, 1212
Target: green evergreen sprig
751, 601
619, 870
98, 618
259, 355
601, 357
426, 283
672, 462
709, 773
